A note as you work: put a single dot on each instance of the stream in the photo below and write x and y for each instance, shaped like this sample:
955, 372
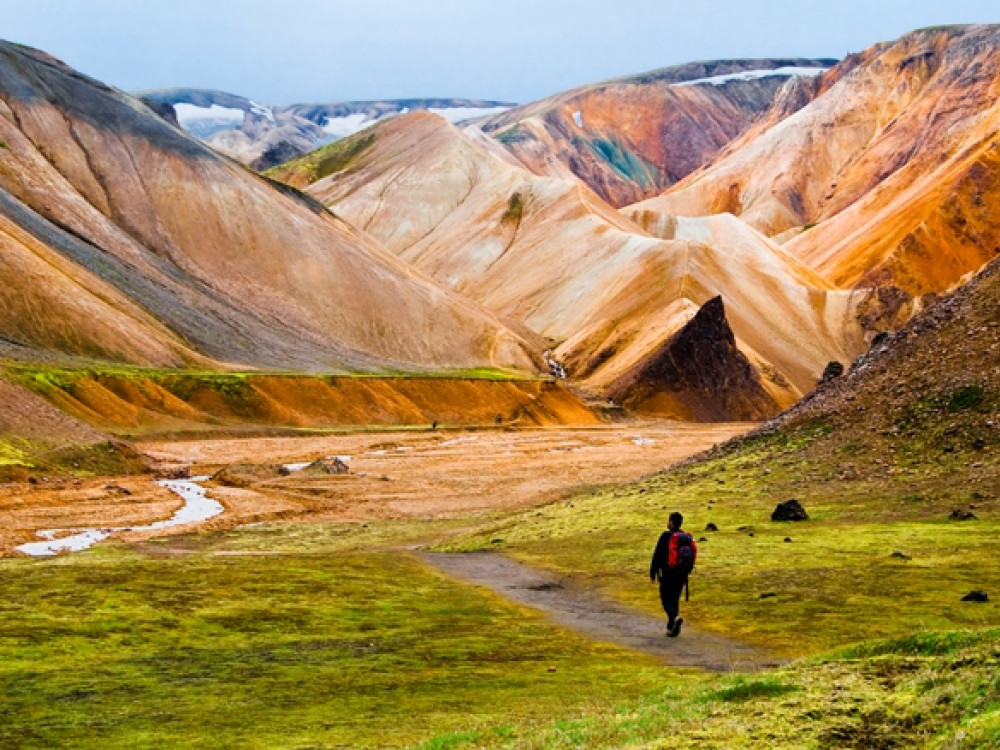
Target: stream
197, 507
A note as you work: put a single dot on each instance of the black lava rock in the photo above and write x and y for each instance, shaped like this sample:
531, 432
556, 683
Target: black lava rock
962, 515
790, 510
976, 596
711, 527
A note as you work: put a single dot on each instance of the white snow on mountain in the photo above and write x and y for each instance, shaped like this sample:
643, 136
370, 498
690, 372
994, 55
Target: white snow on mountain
457, 114
749, 75
190, 113
341, 127
260, 109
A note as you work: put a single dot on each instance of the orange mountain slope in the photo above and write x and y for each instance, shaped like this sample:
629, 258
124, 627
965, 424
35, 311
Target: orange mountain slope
893, 168
630, 138
124, 239
549, 254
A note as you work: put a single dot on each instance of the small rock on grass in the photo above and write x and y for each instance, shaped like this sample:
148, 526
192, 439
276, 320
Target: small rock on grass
900, 555
790, 510
962, 515
976, 596
768, 595
711, 527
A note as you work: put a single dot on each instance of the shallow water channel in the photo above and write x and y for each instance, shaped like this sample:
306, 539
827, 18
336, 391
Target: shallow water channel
197, 507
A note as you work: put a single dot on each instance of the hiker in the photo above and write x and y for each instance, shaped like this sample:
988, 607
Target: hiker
673, 560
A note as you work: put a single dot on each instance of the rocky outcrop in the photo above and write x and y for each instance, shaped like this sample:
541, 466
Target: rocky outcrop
698, 374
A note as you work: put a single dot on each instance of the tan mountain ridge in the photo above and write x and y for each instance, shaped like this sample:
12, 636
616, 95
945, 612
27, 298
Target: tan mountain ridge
551, 255
124, 239
892, 168
632, 137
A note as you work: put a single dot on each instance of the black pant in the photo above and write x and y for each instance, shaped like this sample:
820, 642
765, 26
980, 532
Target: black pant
670, 595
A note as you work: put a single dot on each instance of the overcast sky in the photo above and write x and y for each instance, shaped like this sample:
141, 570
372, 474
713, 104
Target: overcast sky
512, 50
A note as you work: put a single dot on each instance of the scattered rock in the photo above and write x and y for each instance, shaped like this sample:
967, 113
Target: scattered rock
703, 539
901, 555
976, 596
768, 595
552, 586
245, 475
285, 471
744, 528
788, 539
118, 489
790, 510
962, 515
711, 527
832, 371
750, 534
326, 466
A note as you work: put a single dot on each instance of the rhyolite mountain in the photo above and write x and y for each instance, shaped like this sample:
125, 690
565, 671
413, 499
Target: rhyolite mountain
124, 239
264, 135
630, 138
889, 176
547, 253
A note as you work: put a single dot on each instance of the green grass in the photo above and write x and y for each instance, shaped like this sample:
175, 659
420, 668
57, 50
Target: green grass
326, 160
40, 378
330, 647
836, 582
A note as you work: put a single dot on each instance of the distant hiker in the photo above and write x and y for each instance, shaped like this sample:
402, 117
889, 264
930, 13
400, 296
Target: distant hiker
498, 420
672, 563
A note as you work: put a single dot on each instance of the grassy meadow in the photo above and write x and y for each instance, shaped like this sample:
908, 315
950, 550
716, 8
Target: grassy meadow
310, 636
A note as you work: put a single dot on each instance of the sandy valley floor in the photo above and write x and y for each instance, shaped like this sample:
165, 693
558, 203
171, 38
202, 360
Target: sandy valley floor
392, 475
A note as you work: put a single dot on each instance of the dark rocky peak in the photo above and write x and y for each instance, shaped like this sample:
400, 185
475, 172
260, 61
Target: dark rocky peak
698, 373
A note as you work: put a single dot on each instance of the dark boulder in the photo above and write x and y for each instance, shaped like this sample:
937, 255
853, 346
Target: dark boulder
962, 515
832, 371
790, 510
976, 596
711, 527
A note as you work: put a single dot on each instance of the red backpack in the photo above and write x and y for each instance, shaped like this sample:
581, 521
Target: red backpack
682, 552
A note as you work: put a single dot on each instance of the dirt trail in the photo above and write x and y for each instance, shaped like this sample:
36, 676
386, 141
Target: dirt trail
592, 615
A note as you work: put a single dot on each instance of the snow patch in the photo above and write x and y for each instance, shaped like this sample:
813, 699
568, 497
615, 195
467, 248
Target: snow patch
341, 127
640, 441
578, 118
457, 114
260, 109
750, 75
189, 113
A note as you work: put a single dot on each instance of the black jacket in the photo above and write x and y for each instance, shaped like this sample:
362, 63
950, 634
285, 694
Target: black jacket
658, 565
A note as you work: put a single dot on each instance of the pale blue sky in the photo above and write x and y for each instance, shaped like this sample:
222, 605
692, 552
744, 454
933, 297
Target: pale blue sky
516, 50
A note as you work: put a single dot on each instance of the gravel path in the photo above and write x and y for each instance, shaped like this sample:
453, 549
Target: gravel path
594, 616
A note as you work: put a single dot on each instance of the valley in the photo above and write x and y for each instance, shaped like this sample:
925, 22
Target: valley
370, 448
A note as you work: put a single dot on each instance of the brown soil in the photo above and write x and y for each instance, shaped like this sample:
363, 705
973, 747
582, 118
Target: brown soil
588, 613
400, 475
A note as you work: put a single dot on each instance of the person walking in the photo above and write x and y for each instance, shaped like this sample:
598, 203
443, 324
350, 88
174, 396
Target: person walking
672, 563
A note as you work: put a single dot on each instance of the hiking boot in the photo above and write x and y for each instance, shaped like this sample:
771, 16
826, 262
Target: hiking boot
676, 629
670, 626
